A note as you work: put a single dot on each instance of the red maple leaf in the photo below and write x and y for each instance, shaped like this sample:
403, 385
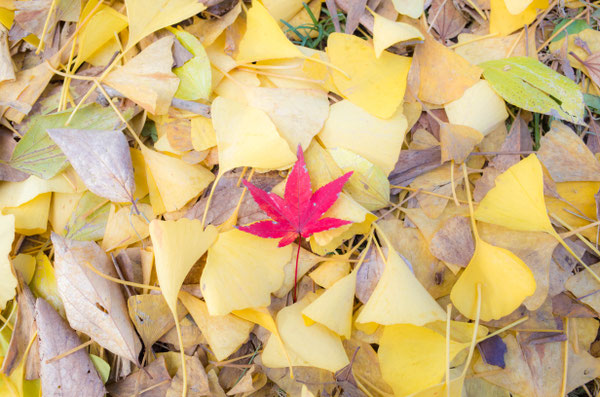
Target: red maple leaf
298, 214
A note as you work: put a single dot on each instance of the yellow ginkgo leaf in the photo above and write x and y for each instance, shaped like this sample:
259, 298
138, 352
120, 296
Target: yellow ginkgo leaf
139, 173
146, 17
576, 198
314, 346
333, 308
517, 6
13, 194
242, 271
517, 200
375, 84
147, 79
411, 8
202, 134
413, 358
399, 298
437, 88
494, 268
247, 137
387, 32
504, 20
100, 29
297, 114
263, 38
479, 108
177, 246
176, 181
8, 281
125, 227
377, 140
24, 264
330, 272
224, 334
32, 217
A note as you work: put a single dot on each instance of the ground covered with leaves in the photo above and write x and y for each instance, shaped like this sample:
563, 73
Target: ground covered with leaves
270, 198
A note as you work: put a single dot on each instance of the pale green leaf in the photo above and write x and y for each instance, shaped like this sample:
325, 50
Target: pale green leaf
102, 367
38, 155
529, 84
88, 221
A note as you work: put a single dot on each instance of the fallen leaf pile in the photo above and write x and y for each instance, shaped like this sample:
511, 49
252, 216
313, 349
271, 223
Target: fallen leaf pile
324, 198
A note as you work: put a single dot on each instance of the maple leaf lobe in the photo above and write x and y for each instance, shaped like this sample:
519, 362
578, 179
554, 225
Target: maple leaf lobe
299, 212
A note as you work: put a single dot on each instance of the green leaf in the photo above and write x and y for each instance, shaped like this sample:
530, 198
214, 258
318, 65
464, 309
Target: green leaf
592, 101
102, 367
529, 84
573, 28
195, 75
88, 221
36, 153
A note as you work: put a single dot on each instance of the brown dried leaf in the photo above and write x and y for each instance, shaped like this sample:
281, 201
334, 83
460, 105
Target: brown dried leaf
72, 374
24, 329
197, 380
566, 157
453, 242
457, 141
227, 195
7, 146
368, 275
564, 306
586, 288
93, 304
153, 376
355, 11
152, 317
413, 163
101, 159
447, 21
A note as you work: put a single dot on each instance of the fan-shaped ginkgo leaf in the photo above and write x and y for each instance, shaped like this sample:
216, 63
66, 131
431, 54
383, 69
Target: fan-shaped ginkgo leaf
387, 32
242, 271
263, 38
399, 298
146, 17
125, 227
413, 358
224, 334
247, 137
101, 159
314, 345
176, 181
505, 283
375, 84
517, 200
297, 114
177, 246
147, 79
334, 307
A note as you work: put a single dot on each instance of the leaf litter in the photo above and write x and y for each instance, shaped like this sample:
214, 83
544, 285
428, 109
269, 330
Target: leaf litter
339, 198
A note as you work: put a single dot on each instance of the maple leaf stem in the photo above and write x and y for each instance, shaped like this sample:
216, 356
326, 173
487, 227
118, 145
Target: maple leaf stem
296, 270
